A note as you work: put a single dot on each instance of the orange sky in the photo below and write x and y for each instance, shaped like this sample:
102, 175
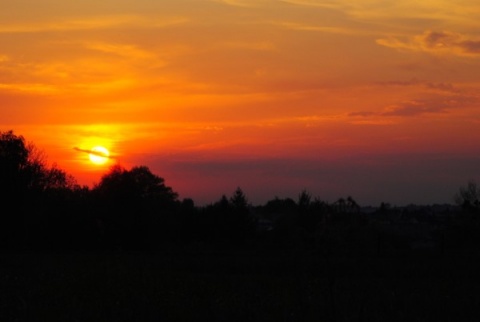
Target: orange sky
377, 99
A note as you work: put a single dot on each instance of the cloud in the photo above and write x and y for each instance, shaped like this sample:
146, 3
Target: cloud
94, 152
460, 12
363, 114
90, 67
435, 42
35, 88
436, 104
124, 50
440, 86
471, 47
410, 82
65, 25
325, 29
315, 3
259, 46
415, 108
92, 23
65, 77
243, 3
446, 87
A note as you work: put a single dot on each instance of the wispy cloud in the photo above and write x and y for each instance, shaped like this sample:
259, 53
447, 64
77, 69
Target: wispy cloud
417, 107
254, 45
33, 88
400, 17
437, 86
318, 28
92, 23
315, 3
94, 152
244, 3
436, 42
86, 71
125, 50
435, 104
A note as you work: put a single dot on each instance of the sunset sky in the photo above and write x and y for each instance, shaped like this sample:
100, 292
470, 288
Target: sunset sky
376, 99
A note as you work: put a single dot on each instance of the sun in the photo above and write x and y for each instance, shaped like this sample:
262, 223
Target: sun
99, 155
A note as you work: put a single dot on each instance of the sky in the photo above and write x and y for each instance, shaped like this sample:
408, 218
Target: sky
374, 99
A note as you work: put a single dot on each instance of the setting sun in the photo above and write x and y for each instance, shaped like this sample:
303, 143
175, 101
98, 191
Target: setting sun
289, 95
99, 155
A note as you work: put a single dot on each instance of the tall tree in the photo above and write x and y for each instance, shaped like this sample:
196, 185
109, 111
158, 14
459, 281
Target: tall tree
304, 199
23, 169
13, 162
469, 196
239, 200
29, 191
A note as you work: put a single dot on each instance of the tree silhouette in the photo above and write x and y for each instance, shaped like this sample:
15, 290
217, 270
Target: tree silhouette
134, 206
352, 205
242, 224
304, 199
341, 205
13, 154
239, 200
29, 189
23, 168
15, 166
469, 197
42, 208
138, 183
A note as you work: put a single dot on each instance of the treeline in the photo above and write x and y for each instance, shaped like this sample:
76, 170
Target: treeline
42, 208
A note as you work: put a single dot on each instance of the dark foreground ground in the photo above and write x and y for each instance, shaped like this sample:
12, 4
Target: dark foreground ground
238, 286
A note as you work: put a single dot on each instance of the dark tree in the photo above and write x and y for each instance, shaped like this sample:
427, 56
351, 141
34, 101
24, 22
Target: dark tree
239, 200
137, 184
352, 205
341, 205
135, 207
304, 199
23, 168
469, 197
13, 158
279, 206
30, 191
241, 223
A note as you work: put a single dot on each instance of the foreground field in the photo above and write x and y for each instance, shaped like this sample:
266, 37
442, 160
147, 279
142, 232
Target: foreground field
238, 286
